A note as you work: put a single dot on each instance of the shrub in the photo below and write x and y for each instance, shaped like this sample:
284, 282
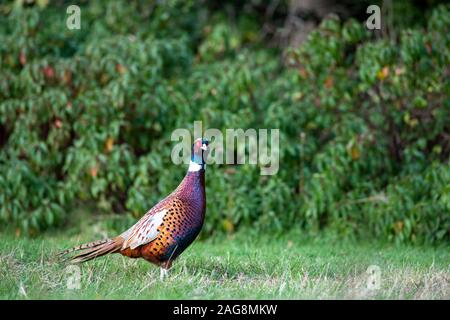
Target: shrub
87, 117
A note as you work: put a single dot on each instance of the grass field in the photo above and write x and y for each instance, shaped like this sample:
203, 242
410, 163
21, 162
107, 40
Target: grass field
242, 266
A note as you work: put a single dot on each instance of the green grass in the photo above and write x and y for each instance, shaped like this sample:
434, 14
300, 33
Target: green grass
243, 266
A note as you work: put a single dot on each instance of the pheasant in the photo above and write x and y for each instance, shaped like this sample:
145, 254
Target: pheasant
167, 229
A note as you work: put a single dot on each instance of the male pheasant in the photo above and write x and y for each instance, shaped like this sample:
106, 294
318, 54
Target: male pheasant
167, 229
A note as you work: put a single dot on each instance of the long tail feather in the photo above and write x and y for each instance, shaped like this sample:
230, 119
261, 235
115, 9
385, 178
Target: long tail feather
91, 250
83, 246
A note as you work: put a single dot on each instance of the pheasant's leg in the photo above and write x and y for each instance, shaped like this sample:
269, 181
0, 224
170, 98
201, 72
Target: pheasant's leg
163, 273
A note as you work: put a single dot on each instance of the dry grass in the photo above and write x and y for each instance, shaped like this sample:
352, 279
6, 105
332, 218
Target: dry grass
231, 268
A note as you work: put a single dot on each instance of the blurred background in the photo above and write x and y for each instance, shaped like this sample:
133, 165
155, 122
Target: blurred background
86, 115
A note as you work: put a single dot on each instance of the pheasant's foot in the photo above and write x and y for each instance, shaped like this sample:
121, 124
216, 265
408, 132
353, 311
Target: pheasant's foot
163, 273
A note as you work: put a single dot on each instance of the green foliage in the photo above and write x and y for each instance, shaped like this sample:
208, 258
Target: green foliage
86, 116
383, 111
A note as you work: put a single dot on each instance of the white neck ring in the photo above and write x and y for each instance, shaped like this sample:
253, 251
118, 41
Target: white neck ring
194, 167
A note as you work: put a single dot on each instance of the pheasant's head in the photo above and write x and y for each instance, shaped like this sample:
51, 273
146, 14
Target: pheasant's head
199, 154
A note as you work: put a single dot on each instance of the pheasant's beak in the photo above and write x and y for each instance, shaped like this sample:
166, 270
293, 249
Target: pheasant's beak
204, 147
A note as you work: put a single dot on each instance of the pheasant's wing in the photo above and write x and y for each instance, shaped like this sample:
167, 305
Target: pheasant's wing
145, 230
